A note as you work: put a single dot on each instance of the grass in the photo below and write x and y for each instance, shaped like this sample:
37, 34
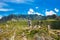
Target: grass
19, 27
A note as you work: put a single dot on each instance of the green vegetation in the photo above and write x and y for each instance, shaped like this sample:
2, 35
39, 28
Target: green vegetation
7, 29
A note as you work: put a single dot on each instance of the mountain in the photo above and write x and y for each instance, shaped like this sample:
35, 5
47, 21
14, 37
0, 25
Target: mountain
17, 17
31, 17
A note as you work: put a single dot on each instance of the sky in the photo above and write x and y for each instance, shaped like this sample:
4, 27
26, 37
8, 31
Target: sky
39, 7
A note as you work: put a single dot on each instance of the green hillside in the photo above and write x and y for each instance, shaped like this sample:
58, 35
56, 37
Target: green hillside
8, 29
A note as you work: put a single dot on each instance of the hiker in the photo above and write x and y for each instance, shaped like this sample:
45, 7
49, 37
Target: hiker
29, 23
39, 25
49, 27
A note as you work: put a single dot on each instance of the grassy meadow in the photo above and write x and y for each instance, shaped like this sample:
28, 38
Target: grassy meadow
17, 28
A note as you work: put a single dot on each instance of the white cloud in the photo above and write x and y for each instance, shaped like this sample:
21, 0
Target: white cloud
31, 11
2, 4
2, 9
19, 1
37, 7
57, 10
49, 12
39, 13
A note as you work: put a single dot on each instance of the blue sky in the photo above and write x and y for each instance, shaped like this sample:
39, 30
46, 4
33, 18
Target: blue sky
39, 7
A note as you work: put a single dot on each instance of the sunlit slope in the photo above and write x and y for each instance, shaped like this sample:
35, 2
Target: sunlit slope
8, 29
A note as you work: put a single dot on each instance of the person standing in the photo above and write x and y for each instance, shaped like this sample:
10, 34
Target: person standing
29, 23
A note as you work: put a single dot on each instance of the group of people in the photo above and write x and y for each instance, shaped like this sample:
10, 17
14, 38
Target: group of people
30, 23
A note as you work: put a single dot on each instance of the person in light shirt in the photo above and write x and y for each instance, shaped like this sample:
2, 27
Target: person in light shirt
29, 23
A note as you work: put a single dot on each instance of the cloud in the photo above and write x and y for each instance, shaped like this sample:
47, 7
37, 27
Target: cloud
2, 9
39, 13
36, 7
2, 4
19, 1
57, 10
31, 11
49, 12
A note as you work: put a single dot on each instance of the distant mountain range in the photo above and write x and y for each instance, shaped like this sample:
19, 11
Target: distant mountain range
31, 17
